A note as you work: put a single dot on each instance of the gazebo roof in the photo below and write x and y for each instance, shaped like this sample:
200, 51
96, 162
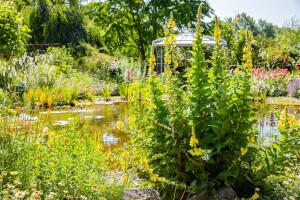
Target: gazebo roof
186, 39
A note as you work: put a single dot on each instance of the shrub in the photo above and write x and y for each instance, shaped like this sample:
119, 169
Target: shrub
14, 34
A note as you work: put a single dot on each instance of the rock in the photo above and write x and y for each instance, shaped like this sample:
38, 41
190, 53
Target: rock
226, 193
223, 193
141, 194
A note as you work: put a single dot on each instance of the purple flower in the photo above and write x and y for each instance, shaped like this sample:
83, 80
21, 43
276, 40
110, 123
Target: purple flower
293, 87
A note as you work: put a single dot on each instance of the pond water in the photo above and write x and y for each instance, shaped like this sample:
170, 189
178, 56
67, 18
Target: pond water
268, 115
102, 120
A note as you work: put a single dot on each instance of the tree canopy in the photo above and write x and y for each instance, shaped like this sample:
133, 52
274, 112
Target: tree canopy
132, 25
13, 32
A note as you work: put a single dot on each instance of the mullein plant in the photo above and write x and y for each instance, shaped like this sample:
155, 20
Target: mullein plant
197, 134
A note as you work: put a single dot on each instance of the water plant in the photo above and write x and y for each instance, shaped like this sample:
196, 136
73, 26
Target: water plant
106, 90
123, 90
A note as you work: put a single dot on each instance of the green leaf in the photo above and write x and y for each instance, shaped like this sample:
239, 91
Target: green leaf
276, 147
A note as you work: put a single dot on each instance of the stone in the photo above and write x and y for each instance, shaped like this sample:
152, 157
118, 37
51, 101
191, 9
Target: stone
226, 193
141, 194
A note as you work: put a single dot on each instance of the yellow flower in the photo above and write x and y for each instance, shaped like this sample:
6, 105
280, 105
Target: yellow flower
171, 24
173, 39
13, 173
243, 150
30, 94
131, 120
49, 101
154, 178
251, 139
167, 135
168, 58
166, 32
42, 98
94, 187
196, 151
120, 125
34, 184
167, 41
193, 141
237, 71
175, 64
254, 196
152, 61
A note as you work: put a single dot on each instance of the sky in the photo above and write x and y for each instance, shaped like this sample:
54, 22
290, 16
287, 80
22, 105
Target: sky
277, 12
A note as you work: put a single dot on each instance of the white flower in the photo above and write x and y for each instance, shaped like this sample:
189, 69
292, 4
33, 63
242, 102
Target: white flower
61, 183
17, 182
83, 197
20, 194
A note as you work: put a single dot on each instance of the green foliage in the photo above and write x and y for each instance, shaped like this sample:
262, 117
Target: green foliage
14, 33
61, 58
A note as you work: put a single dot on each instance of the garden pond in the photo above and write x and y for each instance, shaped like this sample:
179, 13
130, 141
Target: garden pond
102, 120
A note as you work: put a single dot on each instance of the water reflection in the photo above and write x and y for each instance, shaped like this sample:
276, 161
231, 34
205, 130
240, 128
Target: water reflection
268, 116
101, 121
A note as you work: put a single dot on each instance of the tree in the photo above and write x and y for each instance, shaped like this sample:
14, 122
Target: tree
131, 26
14, 33
246, 22
266, 29
57, 21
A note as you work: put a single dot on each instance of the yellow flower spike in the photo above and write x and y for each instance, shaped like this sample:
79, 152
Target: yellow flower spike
152, 61
49, 101
193, 141
30, 94
42, 98
217, 32
243, 151
254, 196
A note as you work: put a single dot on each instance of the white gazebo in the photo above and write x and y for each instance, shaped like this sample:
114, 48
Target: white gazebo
185, 42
